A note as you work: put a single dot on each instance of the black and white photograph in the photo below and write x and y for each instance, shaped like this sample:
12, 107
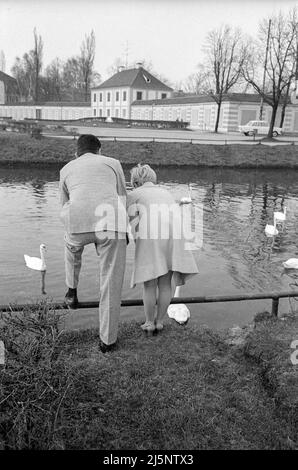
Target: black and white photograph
148, 230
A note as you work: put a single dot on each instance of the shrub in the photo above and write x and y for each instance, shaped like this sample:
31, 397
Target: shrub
36, 132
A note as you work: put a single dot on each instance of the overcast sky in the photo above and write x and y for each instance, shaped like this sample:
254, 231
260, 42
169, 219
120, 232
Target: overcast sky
169, 33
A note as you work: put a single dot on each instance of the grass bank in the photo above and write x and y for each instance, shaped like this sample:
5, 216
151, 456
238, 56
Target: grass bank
186, 388
15, 149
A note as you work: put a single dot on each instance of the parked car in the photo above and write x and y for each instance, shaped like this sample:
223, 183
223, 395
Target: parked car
259, 127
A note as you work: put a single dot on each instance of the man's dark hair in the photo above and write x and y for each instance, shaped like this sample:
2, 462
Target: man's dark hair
88, 143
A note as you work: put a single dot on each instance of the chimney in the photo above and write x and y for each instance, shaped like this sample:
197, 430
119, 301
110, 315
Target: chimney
121, 68
139, 65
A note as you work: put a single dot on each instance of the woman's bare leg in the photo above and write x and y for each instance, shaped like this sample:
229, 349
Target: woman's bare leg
149, 297
164, 298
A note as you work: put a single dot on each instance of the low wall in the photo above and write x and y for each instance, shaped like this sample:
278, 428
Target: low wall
55, 113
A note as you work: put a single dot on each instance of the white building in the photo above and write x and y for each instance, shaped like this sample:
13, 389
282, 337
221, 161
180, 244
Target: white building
113, 97
8, 89
2, 62
47, 111
201, 110
138, 95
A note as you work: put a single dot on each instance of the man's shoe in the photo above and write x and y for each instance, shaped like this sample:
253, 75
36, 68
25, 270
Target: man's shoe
107, 347
71, 299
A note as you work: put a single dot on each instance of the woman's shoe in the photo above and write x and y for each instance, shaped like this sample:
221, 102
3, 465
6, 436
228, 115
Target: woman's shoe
148, 327
159, 326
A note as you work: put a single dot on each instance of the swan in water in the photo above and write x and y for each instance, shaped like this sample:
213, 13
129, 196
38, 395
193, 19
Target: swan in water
280, 216
271, 230
39, 264
178, 312
187, 199
291, 263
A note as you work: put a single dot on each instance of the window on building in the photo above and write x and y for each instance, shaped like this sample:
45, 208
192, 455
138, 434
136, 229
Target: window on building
108, 112
124, 96
109, 96
139, 95
117, 95
100, 113
94, 112
117, 112
163, 96
100, 96
94, 97
124, 113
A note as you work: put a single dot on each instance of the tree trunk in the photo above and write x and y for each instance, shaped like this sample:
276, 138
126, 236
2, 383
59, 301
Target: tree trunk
218, 115
36, 98
283, 113
274, 110
284, 106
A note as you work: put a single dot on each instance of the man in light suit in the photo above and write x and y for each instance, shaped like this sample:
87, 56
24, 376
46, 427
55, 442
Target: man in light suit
93, 198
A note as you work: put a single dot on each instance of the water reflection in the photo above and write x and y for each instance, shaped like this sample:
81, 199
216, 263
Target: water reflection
236, 254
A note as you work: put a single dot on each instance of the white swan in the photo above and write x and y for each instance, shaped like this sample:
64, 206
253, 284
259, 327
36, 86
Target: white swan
291, 263
178, 312
187, 199
38, 264
280, 216
271, 230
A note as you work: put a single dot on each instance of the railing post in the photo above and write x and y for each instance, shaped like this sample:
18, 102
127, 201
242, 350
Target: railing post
275, 302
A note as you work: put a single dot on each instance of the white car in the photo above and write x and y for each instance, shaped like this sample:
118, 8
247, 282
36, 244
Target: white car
259, 127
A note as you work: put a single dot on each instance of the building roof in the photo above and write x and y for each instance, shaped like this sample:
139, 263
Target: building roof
186, 99
6, 78
74, 104
134, 78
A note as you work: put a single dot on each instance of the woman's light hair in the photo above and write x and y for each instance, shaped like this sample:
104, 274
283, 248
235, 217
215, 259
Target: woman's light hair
142, 174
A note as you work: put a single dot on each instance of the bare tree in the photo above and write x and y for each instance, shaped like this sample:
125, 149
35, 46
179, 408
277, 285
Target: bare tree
280, 33
286, 97
198, 82
22, 72
114, 68
28, 69
36, 55
86, 61
225, 51
95, 79
53, 81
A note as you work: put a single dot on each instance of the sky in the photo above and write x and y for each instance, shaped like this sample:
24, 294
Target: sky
167, 33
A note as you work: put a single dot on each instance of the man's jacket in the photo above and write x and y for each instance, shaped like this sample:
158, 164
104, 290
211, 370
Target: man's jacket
93, 194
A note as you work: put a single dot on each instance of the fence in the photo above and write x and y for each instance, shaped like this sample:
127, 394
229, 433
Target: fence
195, 140
274, 296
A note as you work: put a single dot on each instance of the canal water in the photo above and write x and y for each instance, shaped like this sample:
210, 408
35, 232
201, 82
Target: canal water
236, 256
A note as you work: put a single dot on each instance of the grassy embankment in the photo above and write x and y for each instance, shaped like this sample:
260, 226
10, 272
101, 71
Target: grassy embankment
16, 148
186, 388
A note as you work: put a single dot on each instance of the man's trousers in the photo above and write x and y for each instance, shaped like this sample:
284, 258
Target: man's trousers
111, 249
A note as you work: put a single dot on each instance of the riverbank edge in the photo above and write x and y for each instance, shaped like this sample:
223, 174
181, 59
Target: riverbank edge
20, 149
239, 384
268, 343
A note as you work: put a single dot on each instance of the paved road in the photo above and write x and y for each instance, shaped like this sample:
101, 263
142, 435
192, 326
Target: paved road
197, 137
